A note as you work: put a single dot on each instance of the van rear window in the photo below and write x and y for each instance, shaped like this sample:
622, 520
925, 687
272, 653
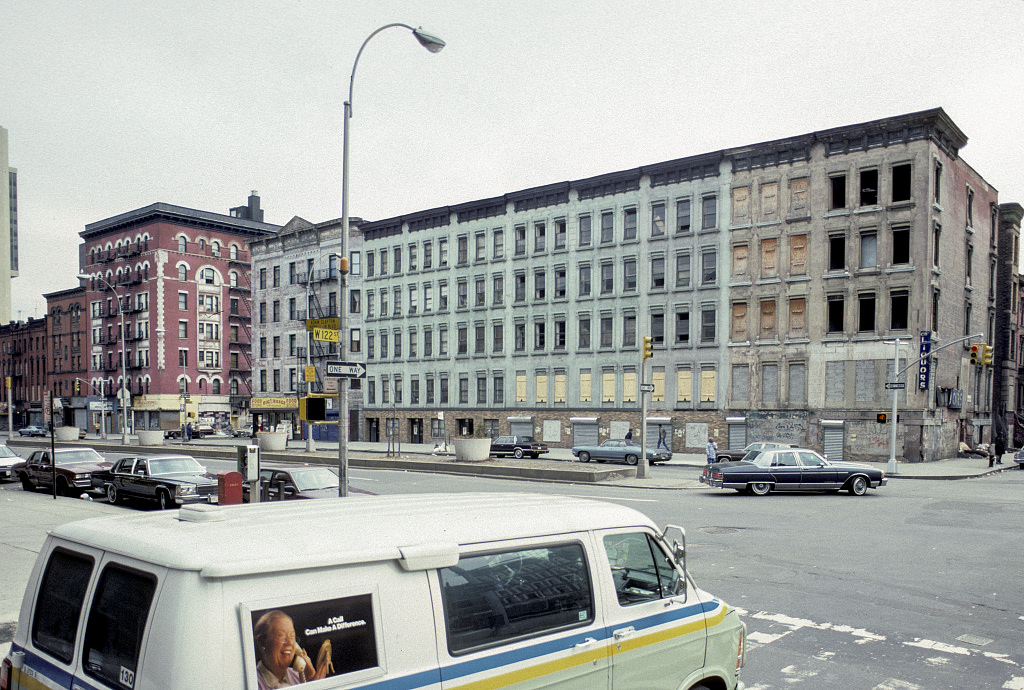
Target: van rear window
117, 621
59, 604
498, 597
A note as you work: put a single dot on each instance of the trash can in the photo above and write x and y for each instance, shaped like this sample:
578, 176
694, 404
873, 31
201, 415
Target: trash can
229, 488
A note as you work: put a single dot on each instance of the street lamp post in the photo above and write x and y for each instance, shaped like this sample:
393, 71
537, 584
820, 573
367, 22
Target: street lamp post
434, 45
124, 361
310, 442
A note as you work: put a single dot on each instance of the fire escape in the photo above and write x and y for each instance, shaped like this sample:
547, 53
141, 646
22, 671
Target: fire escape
320, 351
240, 345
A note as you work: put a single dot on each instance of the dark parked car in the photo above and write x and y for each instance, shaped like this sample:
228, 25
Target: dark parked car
170, 480
8, 459
740, 453
619, 450
74, 470
792, 469
517, 446
33, 431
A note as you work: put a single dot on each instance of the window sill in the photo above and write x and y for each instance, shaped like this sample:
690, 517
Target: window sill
769, 223
874, 208
835, 338
797, 341
770, 281
899, 269
900, 205
798, 279
740, 283
843, 274
741, 226
798, 219
739, 343
837, 213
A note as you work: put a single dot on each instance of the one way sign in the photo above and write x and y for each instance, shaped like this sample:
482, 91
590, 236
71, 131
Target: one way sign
346, 370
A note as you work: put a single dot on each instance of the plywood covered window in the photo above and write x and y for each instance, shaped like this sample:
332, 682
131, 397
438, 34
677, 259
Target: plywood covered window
769, 257
797, 317
770, 199
740, 204
586, 391
707, 385
740, 254
608, 387
798, 195
542, 388
560, 387
798, 255
768, 321
739, 322
658, 379
521, 388
629, 386
684, 385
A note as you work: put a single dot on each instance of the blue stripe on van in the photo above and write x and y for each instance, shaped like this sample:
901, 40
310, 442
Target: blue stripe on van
468, 668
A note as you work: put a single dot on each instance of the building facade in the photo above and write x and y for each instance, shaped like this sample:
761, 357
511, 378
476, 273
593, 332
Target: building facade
8, 229
24, 365
168, 294
775, 279
295, 299
67, 345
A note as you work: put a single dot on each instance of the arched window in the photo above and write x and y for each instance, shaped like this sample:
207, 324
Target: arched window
182, 273
216, 387
233, 278
234, 251
202, 243
182, 244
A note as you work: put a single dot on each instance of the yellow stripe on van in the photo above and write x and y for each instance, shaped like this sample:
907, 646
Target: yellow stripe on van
580, 658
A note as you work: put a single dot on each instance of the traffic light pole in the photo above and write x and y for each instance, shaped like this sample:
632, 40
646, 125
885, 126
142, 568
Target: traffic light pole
891, 467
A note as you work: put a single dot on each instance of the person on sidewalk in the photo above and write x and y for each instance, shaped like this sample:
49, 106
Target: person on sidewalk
711, 450
661, 439
629, 434
1000, 448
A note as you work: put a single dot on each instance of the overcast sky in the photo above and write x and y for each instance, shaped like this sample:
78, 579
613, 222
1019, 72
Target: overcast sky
112, 105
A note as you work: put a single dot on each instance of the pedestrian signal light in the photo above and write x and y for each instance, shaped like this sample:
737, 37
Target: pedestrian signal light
986, 355
883, 418
648, 347
976, 353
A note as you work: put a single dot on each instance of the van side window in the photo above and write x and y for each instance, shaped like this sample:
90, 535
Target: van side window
640, 569
59, 604
498, 597
117, 620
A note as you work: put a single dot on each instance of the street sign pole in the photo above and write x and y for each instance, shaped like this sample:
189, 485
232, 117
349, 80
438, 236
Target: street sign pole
641, 465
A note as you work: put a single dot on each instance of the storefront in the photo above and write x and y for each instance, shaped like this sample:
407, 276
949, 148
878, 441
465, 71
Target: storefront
275, 414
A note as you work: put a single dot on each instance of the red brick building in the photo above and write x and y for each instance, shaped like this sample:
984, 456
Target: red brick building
168, 307
23, 360
65, 345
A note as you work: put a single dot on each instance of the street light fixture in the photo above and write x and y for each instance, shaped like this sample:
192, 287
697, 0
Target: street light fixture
434, 45
124, 362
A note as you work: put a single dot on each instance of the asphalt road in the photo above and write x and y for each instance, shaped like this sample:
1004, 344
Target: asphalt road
916, 585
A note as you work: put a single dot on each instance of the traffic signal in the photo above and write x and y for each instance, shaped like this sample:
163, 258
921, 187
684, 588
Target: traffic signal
314, 409
976, 353
648, 347
78, 386
986, 355
883, 418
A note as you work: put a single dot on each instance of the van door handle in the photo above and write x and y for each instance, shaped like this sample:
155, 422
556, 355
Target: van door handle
588, 642
623, 633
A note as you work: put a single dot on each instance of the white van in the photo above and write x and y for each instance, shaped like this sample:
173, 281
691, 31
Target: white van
411, 591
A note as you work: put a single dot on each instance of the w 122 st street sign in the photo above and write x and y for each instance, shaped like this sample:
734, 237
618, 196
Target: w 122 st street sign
346, 370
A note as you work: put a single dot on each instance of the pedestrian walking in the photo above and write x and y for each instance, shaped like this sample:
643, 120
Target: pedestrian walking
188, 431
661, 439
629, 434
711, 450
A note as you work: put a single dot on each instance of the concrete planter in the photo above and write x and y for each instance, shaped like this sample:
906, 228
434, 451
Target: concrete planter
66, 433
151, 437
272, 440
472, 449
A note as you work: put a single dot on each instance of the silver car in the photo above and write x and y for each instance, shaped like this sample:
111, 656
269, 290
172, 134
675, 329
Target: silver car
619, 450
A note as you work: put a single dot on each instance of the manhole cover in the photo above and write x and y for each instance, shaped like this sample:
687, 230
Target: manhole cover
719, 530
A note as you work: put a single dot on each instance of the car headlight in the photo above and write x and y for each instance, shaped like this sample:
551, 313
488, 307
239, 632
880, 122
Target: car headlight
82, 477
186, 489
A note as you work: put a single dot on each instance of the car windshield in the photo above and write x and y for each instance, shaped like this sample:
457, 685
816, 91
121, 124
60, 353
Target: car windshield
161, 467
762, 459
82, 455
314, 478
6, 452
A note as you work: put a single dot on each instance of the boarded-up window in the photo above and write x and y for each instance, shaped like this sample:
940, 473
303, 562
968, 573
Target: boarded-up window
658, 379
739, 261
768, 330
797, 316
629, 386
740, 384
607, 387
520, 387
797, 382
769, 383
684, 385
769, 199
542, 388
798, 195
741, 204
769, 257
798, 255
865, 381
835, 384
560, 385
586, 390
707, 385
739, 322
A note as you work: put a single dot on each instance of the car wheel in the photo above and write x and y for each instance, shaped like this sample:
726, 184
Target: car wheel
163, 499
632, 459
62, 487
858, 486
26, 483
111, 494
584, 456
518, 452
760, 488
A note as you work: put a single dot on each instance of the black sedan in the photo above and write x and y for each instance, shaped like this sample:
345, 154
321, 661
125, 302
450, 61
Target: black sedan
517, 446
170, 480
792, 469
